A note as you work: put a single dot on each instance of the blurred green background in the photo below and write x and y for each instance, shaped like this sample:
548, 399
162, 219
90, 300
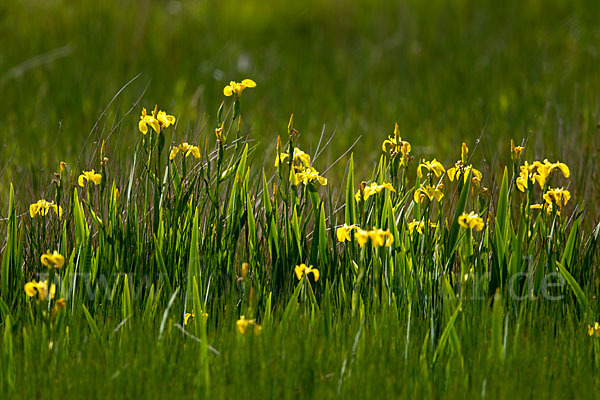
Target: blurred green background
444, 70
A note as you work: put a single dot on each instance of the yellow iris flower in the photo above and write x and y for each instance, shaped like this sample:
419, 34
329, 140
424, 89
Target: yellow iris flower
594, 330
515, 151
470, 221
157, 120
343, 232
395, 145
298, 157
236, 88
90, 176
428, 191
545, 206
53, 260
557, 196
543, 171
245, 269
523, 178
148, 119
187, 149
242, 325
40, 289
464, 153
219, 131
362, 237
306, 175
418, 225
460, 169
378, 237
552, 166
58, 305
42, 207
372, 189
302, 270
525, 175
164, 119
431, 166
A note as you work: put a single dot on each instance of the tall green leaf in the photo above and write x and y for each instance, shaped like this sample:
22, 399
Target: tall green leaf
579, 294
350, 212
460, 208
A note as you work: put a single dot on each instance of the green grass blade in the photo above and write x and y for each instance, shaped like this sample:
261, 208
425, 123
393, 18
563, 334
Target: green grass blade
91, 321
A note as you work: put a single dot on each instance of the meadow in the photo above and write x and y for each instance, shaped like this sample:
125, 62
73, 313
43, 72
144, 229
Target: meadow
309, 199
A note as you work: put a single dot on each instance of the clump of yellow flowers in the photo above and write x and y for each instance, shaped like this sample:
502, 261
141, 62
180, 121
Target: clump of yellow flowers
301, 171
243, 324
378, 237
471, 221
42, 290
539, 172
90, 176
188, 317
157, 120
418, 226
372, 189
42, 207
236, 88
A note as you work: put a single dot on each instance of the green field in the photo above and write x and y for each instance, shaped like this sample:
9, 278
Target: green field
231, 251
